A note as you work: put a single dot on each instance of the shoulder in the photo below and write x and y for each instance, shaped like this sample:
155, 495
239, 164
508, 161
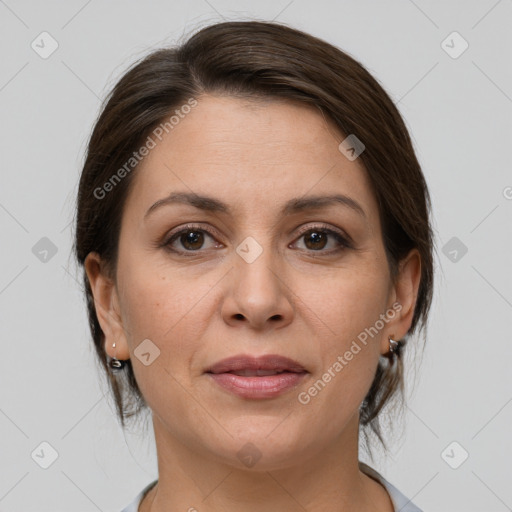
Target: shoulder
400, 502
134, 505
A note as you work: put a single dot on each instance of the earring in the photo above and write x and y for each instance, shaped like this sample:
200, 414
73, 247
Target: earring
394, 347
116, 364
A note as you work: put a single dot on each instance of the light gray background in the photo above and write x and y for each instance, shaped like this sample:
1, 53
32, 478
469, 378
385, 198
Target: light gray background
458, 111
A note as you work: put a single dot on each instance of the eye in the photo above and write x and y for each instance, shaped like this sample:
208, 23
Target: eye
191, 239
318, 238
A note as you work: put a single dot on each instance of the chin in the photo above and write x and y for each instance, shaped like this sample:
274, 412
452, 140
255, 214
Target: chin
266, 445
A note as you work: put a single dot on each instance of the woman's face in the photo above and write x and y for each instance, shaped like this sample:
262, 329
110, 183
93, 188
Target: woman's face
273, 248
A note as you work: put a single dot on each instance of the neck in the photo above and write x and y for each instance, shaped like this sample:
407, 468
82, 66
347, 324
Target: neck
329, 481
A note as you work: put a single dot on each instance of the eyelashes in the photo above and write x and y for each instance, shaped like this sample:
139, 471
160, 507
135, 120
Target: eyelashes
193, 238
325, 232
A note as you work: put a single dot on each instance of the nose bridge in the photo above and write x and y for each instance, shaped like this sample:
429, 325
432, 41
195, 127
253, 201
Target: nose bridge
256, 263
257, 291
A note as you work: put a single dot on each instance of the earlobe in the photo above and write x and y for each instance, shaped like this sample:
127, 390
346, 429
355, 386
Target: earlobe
105, 299
406, 292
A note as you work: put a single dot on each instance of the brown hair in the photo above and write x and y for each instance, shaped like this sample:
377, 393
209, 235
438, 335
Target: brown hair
265, 60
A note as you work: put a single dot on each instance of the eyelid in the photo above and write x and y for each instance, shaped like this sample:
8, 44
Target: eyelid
329, 229
192, 225
342, 237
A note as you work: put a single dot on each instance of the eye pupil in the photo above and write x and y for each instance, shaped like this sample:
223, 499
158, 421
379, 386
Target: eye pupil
192, 240
319, 240
315, 239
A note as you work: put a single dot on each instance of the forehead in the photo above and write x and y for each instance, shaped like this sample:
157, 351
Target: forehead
244, 150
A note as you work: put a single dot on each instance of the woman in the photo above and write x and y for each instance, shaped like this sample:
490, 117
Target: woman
254, 230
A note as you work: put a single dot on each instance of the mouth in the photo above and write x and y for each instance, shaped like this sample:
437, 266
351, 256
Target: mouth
248, 366
256, 373
257, 377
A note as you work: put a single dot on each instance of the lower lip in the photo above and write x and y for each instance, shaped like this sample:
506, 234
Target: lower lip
267, 386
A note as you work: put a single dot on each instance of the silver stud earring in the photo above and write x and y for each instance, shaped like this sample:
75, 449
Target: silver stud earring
394, 346
116, 364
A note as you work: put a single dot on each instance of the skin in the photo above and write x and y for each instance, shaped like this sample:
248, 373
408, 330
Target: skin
297, 299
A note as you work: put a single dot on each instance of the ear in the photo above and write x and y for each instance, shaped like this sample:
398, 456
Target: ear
404, 295
106, 303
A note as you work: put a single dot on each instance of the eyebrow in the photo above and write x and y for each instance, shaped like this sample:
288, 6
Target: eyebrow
295, 205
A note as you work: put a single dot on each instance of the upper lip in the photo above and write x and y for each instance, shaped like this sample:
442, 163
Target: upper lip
245, 362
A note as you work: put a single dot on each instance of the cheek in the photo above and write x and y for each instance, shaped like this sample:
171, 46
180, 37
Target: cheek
165, 311
349, 307
348, 303
348, 361
170, 310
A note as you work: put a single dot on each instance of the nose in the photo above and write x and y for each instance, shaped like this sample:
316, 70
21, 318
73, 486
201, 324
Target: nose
257, 294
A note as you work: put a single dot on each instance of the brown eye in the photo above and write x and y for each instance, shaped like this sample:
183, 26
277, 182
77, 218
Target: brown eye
322, 240
189, 240
315, 240
192, 240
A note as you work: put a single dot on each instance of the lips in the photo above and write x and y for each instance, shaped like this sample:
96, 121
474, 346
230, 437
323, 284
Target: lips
256, 366
257, 377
